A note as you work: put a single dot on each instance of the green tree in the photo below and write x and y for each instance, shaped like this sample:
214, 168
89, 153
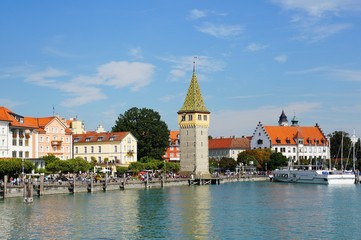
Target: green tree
245, 158
340, 148
277, 160
50, 158
147, 127
227, 164
13, 167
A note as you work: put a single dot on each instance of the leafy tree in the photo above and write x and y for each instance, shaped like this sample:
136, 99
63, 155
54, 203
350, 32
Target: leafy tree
246, 158
147, 127
228, 163
54, 166
13, 167
121, 170
50, 158
336, 144
277, 159
261, 156
72, 165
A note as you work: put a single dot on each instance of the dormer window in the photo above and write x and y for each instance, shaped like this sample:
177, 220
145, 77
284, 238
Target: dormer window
259, 141
278, 140
288, 140
76, 139
100, 139
112, 138
87, 139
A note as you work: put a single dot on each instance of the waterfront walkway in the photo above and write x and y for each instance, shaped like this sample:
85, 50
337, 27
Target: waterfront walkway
42, 188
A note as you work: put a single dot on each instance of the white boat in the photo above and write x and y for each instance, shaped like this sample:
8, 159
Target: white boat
294, 175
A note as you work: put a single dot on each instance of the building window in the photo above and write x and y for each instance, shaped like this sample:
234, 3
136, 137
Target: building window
205, 117
183, 118
115, 148
99, 159
85, 150
92, 149
200, 117
76, 149
190, 117
100, 149
259, 141
47, 139
14, 154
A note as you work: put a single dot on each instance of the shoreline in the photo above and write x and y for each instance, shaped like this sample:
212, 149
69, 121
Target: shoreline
81, 187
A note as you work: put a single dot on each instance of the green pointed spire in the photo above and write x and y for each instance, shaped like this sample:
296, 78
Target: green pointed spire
194, 100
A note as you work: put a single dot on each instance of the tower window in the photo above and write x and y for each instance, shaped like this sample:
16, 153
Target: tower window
205, 117
190, 117
200, 117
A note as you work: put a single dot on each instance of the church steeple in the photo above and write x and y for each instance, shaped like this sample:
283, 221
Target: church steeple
283, 119
194, 100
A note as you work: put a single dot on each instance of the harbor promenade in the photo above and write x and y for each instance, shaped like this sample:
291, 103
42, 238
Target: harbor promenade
41, 188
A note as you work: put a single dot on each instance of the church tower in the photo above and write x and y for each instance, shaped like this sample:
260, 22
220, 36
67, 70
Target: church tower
193, 121
283, 119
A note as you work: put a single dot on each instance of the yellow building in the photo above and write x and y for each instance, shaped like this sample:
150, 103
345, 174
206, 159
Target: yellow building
106, 148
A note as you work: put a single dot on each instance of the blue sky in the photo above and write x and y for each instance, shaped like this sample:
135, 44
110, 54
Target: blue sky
96, 59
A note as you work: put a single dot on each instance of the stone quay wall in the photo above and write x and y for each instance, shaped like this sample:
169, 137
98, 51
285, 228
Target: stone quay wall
81, 187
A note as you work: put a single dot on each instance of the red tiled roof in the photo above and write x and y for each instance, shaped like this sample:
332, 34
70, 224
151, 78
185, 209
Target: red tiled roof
228, 143
8, 115
311, 135
29, 122
173, 135
93, 136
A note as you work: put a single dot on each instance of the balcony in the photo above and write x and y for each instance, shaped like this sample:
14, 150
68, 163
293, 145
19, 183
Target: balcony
56, 143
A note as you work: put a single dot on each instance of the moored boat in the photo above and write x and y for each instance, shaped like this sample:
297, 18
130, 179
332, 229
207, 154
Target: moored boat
295, 175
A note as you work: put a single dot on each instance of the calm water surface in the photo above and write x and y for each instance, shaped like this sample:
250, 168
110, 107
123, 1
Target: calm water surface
242, 210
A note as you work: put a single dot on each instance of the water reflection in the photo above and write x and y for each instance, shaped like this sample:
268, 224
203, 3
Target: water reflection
228, 211
190, 210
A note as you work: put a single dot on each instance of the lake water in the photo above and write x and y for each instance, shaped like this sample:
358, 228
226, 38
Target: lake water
240, 210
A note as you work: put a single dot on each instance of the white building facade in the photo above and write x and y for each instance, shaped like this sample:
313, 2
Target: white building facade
296, 142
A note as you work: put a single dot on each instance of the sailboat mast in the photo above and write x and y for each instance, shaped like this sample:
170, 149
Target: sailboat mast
342, 152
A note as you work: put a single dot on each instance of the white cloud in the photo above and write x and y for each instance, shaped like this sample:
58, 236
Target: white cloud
122, 74
196, 14
254, 47
315, 20
85, 89
281, 58
220, 31
320, 8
